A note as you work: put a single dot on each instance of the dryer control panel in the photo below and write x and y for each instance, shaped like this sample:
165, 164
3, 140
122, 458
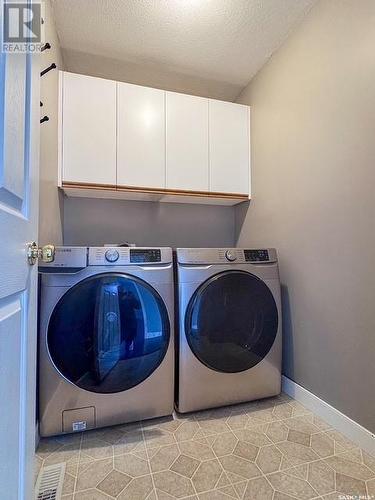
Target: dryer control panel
120, 256
207, 256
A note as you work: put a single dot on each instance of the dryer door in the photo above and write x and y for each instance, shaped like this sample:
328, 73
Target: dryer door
231, 321
108, 333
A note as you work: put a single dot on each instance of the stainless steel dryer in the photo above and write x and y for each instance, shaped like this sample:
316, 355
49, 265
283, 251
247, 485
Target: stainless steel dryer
229, 326
106, 351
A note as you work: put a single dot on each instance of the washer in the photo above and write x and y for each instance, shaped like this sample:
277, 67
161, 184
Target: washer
106, 350
229, 347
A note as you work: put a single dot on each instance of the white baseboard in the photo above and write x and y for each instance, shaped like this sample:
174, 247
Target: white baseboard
351, 429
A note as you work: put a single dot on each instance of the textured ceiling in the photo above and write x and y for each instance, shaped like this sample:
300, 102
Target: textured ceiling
206, 47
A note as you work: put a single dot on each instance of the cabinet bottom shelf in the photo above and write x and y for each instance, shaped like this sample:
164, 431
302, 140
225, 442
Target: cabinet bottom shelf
85, 190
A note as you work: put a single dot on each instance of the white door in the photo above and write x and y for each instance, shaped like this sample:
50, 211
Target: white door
229, 147
140, 136
19, 158
88, 129
187, 142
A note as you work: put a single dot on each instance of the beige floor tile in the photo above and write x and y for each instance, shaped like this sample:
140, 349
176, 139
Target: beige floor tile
223, 481
368, 460
282, 496
66, 453
155, 437
321, 477
296, 453
252, 450
292, 486
240, 466
196, 450
250, 436
269, 459
299, 437
186, 466
97, 449
282, 411
240, 488
353, 469
207, 475
114, 483
138, 489
322, 444
93, 474
174, 484
300, 471
228, 490
258, 489
186, 431
224, 444
301, 424
238, 421
341, 442
91, 495
371, 487
68, 484
246, 450
129, 442
277, 432
349, 485
213, 495
164, 457
131, 465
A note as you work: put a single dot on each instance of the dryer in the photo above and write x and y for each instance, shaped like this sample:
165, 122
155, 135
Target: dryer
106, 350
229, 317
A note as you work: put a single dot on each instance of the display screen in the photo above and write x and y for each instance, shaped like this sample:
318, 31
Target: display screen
256, 255
151, 255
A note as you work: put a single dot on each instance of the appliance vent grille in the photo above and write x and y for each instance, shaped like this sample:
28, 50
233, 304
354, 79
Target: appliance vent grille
50, 482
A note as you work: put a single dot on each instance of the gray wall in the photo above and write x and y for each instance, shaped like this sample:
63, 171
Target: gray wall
96, 221
50, 200
313, 153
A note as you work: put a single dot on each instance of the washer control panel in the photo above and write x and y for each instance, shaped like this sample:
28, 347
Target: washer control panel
120, 256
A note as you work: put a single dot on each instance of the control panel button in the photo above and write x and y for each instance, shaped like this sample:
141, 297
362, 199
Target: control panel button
111, 255
230, 255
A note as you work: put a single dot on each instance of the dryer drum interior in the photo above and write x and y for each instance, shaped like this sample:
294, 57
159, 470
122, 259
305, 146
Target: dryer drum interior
108, 333
231, 321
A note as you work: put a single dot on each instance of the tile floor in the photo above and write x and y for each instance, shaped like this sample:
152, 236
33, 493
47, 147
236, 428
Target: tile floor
272, 449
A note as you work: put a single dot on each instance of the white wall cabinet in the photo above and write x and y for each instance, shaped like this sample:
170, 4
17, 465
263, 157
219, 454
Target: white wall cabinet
187, 142
229, 147
126, 141
140, 136
88, 126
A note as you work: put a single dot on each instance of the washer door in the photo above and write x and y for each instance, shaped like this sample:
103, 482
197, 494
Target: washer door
108, 333
231, 321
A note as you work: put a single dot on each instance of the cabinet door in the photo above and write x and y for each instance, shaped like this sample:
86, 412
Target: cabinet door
140, 136
229, 147
88, 129
187, 142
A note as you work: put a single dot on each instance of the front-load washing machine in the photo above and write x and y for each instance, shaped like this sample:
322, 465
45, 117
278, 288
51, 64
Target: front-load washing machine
229, 316
106, 350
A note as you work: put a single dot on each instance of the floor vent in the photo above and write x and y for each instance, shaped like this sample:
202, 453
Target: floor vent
50, 482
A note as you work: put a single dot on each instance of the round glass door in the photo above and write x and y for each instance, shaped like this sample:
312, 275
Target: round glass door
108, 333
231, 321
